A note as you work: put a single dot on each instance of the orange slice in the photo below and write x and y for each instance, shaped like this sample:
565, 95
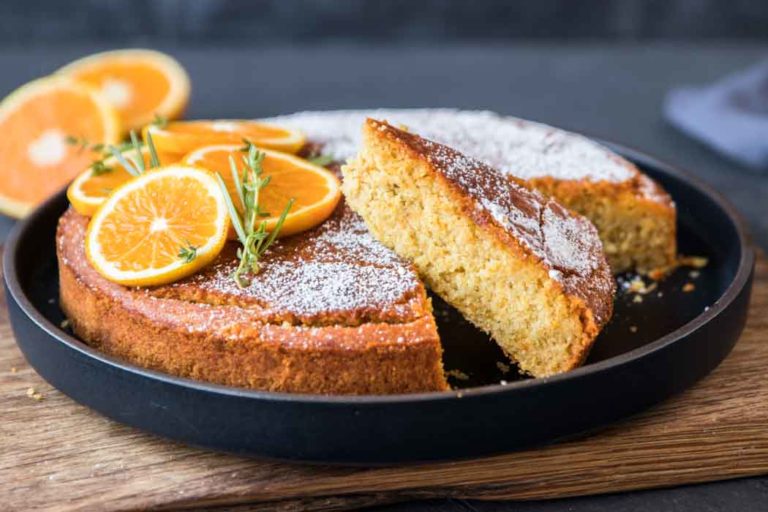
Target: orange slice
140, 84
184, 136
92, 187
159, 227
316, 190
36, 121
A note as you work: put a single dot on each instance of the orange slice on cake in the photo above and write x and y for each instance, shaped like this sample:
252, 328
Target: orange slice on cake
159, 227
39, 122
184, 136
315, 190
92, 187
140, 84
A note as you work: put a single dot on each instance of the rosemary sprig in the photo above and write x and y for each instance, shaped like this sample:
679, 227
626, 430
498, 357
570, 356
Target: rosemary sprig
188, 253
128, 165
154, 160
136, 166
253, 235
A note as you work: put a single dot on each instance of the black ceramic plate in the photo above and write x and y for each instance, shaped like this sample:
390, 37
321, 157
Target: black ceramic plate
649, 351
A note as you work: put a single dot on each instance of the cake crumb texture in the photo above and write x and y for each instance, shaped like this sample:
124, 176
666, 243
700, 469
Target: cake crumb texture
517, 265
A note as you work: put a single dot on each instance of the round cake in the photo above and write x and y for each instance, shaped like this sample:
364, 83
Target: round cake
333, 310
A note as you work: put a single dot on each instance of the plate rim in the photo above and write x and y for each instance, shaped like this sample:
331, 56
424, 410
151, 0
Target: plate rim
732, 291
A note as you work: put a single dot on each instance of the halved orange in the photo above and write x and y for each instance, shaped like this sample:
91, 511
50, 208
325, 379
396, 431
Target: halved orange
315, 190
140, 84
184, 136
92, 187
36, 121
159, 227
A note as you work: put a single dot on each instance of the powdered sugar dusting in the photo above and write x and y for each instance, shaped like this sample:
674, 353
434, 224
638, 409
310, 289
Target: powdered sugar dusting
318, 287
561, 240
524, 149
335, 270
571, 243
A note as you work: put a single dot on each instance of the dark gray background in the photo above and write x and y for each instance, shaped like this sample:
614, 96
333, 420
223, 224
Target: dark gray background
280, 21
601, 67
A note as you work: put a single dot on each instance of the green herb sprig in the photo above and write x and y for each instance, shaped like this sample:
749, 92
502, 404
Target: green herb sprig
321, 160
253, 235
83, 144
159, 121
99, 167
188, 253
136, 166
317, 157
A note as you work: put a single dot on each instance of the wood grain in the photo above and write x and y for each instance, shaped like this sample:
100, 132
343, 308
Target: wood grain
57, 455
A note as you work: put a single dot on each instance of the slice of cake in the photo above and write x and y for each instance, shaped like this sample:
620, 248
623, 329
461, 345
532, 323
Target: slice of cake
634, 216
516, 264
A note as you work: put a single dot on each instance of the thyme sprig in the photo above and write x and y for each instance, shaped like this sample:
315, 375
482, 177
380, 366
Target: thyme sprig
83, 144
98, 168
188, 253
252, 234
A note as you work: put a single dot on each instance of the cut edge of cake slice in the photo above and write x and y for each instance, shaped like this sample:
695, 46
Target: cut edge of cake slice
517, 265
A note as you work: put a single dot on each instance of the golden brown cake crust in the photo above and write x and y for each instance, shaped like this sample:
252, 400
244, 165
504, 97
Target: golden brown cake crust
262, 341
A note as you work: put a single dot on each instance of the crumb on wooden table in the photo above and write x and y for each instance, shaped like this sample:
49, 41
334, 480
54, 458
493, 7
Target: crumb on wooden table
633, 328
688, 287
34, 394
503, 367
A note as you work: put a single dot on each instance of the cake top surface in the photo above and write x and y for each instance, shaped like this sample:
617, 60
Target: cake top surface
334, 274
524, 149
567, 244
